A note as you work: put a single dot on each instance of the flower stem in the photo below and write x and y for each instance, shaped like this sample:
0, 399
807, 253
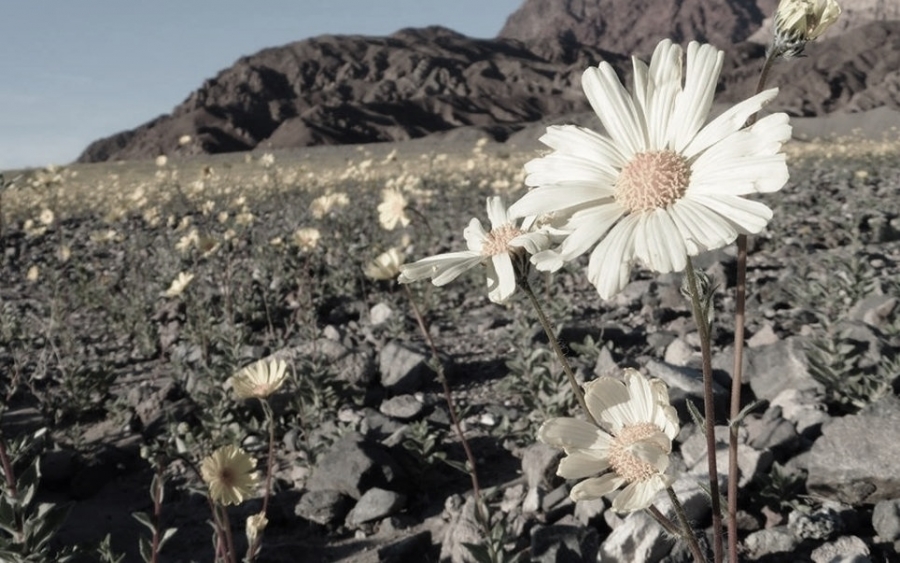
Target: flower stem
687, 532
740, 305
448, 397
702, 320
554, 343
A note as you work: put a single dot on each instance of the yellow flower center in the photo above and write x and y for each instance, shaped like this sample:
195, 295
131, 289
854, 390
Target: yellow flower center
652, 180
626, 464
497, 241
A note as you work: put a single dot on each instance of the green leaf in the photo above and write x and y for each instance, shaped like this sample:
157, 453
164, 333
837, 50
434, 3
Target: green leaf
695, 414
478, 552
166, 536
146, 551
144, 519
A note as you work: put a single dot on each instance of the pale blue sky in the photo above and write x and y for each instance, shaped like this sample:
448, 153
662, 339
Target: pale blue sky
72, 71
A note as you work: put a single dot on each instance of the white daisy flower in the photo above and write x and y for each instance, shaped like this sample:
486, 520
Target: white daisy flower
633, 454
495, 249
660, 185
386, 266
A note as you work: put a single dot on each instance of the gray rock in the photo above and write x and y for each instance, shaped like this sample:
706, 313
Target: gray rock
886, 519
327, 508
820, 524
638, 539
355, 366
353, 466
771, 369
404, 368
845, 549
765, 336
538, 463
462, 528
805, 409
770, 541
853, 461
751, 462
874, 310
679, 353
771, 432
588, 512
375, 504
562, 543
691, 495
402, 407
380, 313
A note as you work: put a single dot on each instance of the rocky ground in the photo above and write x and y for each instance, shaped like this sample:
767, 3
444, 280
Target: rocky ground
363, 440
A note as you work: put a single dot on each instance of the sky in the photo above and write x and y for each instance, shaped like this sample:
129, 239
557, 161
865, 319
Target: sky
73, 71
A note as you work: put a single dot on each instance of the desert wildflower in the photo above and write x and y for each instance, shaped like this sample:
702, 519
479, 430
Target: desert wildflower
186, 242
325, 204
797, 22
392, 210
495, 249
633, 453
259, 380
229, 474
184, 140
386, 266
179, 284
161, 160
660, 185
267, 160
255, 526
33, 273
306, 239
46, 217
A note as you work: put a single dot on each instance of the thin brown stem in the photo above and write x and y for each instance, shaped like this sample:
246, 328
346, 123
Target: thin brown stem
740, 305
687, 531
554, 343
229, 536
664, 521
270, 462
448, 397
157, 509
702, 320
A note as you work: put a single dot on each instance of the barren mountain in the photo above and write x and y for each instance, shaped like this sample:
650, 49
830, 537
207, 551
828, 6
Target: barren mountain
636, 26
354, 89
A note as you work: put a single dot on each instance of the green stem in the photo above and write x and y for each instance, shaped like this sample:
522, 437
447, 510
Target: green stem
702, 320
554, 343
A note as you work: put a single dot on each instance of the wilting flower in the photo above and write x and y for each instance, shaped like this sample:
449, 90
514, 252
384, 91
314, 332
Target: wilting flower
179, 284
660, 185
306, 239
386, 266
495, 249
392, 210
797, 22
229, 474
633, 453
255, 526
259, 380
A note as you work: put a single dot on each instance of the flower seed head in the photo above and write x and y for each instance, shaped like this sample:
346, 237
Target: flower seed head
623, 461
652, 180
497, 241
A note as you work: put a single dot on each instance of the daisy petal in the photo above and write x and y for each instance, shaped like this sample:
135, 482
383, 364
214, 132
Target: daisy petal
749, 217
727, 123
610, 263
614, 107
596, 487
638, 496
583, 463
569, 433
505, 281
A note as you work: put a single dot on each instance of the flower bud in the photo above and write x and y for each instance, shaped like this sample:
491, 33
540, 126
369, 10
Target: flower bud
798, 22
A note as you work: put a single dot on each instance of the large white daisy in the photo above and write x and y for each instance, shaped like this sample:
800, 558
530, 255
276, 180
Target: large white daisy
495, 249
633, 453
659, 185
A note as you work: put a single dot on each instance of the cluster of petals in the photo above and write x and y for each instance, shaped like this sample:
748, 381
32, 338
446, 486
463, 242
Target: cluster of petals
495, 249
259, 380
661, 184
631, 450
229, 473
804, 20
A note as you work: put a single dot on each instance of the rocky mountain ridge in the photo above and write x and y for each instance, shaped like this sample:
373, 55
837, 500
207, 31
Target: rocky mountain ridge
355, 89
